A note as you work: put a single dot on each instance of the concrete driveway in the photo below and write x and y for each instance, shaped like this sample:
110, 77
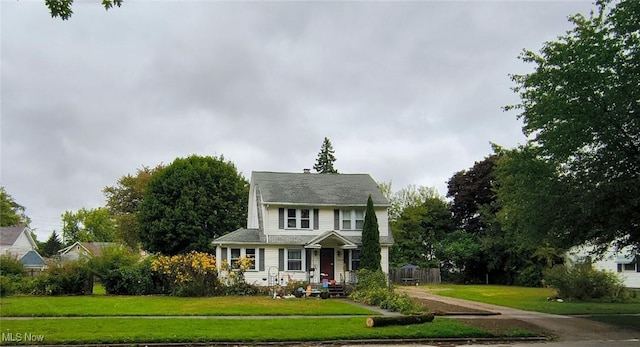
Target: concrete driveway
568, 330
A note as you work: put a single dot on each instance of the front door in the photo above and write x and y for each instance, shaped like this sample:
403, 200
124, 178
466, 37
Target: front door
326, 263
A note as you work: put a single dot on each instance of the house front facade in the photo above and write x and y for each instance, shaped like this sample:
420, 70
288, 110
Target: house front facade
306, 227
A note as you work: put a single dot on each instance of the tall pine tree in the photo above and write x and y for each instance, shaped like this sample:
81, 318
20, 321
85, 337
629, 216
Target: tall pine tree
370, 254
326, 158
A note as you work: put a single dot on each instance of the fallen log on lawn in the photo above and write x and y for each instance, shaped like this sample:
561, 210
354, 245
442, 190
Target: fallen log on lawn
399, 320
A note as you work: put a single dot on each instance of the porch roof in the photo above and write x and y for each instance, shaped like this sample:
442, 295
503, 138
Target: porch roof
256, 236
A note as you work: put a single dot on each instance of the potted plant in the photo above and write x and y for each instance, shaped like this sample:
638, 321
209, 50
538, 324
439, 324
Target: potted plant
324, 293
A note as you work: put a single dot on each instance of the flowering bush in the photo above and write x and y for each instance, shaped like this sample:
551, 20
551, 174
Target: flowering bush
192, 274
232, 277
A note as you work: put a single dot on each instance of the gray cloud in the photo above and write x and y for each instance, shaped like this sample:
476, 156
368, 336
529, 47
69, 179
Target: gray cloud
410, 92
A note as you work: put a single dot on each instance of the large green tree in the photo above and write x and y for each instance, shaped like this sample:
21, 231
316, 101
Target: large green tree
123, 200
11, 213
190, 202
50, 247
419, 231
88, 225
326, 158
370, 255
411, 195
483, 250
580, 111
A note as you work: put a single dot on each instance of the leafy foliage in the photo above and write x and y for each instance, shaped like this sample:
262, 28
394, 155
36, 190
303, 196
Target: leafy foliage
68, 278
370, 255
232, 277
580, 109
372, 289
123, 201
11, 213
112, 266
88, 225
410, 196
10, 266
326, 158
191, 274
63, 8
584, 283
191, 202
418, 233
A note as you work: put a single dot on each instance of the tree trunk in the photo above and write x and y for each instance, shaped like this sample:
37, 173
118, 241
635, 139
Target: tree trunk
399, 320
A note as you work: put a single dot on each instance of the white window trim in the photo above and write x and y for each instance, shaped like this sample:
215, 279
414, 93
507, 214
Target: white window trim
243, 253
255, 258
352, 213
302, 259
298, 218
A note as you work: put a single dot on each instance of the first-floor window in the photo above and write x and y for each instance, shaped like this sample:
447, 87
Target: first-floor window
250, 253
294, 259
355, 259
235, 255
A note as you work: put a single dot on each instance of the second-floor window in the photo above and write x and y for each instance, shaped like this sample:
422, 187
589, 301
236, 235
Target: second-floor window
299, 218
352, 219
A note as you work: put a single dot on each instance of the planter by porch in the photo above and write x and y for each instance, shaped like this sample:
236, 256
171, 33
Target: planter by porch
324, 295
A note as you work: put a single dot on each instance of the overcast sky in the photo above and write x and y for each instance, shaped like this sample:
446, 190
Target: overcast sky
409, 92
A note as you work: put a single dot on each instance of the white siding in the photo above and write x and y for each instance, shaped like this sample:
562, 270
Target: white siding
252, 212
384, 259
608, 262
20, 247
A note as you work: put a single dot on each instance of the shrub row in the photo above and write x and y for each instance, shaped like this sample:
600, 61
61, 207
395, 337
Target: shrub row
123, 272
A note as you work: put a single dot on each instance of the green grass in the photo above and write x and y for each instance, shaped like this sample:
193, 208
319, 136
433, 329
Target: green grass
147, 330
104, 305
531, 299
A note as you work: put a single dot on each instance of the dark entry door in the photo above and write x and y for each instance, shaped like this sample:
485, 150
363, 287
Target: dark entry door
326, 263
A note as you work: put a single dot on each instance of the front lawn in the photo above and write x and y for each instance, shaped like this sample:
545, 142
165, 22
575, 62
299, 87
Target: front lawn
530, 299
101, 305
246, 330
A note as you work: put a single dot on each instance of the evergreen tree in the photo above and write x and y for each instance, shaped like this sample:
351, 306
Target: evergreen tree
370, 255
326, 158
50, 247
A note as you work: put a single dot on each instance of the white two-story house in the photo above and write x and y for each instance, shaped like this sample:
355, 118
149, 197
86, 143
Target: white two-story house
306, 227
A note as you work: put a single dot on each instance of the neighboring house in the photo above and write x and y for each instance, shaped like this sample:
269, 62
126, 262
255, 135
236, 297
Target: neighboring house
33, 263
622, 262
306, 227
16, 241
83, 250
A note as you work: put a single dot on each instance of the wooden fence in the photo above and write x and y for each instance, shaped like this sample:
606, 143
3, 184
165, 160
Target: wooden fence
414, 276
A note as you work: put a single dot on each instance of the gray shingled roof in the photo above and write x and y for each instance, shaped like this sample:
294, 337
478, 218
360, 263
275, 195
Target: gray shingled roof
9, 235
32, 259
317, 189
242, 236
256, 236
